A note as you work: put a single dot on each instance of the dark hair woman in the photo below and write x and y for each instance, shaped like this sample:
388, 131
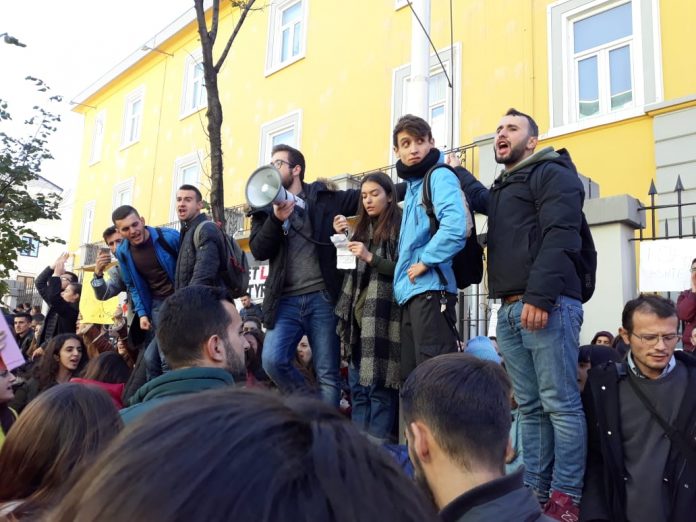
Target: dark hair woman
256, 376
266, 458
58, 433
63, 358
369, 319
109, 372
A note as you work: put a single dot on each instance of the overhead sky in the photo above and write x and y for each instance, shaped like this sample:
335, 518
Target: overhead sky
69, 45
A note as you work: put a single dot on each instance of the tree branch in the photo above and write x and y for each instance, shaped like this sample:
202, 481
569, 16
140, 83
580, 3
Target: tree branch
216, 18
245, 11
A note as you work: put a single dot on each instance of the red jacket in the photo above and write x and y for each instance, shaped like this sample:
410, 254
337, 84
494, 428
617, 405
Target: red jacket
686, 310
115, 391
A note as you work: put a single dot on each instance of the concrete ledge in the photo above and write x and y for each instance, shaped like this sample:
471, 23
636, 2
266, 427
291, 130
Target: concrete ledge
614, 209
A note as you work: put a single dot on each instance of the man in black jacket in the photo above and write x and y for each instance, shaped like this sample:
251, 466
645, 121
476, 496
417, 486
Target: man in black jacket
303, 282
635, 471
534, 211
198, 262
456, 411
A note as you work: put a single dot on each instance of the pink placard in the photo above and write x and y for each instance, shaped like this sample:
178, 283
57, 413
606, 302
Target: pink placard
11, 354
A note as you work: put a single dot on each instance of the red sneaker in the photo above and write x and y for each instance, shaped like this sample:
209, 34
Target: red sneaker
561, 507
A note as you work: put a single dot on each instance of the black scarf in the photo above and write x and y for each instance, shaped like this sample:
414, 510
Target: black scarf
419, 169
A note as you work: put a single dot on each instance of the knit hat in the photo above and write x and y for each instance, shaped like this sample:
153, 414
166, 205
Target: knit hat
482, 348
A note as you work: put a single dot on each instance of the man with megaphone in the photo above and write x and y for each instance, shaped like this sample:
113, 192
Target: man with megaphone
291, 222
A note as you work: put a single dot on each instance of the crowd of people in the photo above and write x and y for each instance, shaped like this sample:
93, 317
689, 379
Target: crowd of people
187, 408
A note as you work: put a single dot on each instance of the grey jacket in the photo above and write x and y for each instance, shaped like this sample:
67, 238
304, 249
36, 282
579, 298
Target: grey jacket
106, 289
199, 266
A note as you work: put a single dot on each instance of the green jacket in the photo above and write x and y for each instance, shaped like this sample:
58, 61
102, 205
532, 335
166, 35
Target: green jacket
172, 385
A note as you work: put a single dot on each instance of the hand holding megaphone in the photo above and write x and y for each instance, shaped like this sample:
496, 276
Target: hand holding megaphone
265, 186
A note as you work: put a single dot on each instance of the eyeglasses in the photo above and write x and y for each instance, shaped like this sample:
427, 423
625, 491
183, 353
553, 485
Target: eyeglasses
652, 339
279, 163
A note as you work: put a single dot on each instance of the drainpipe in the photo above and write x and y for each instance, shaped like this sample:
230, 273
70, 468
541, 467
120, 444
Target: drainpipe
420, 60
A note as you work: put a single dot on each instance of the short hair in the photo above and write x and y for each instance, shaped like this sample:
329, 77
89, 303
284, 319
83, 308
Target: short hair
647, 304
38, 318
199, 196
44, 454
76, 287
123, 212
294, 155
245, 294
187, 319
533, 127
309, 463
108, 232
24, 315
73, 276
465, 402
413, 125
108, 367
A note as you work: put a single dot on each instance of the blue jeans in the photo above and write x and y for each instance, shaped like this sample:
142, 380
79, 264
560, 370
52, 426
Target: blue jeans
543, 368
155, 363
373, 407
312, 315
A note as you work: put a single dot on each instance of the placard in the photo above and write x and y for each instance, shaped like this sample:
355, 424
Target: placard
665, 263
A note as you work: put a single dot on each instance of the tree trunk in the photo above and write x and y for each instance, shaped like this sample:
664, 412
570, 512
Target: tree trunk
217, 191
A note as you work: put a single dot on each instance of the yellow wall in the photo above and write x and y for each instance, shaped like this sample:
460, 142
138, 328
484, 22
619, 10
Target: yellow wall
343, 86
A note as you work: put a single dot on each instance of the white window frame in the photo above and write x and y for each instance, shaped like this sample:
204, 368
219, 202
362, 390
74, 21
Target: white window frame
398, 4
275, 39
126, 138
126, 186
290, 121
180, 165
453, 101
88, 212
645, 49
188, 105
95, 153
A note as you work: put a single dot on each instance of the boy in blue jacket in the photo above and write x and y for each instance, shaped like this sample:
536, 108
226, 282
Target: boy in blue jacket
424, 283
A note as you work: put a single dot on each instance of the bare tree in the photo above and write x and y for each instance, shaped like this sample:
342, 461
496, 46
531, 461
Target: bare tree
211, 69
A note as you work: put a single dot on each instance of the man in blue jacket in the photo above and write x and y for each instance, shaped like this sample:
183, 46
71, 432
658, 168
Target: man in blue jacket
147, 259
424, 283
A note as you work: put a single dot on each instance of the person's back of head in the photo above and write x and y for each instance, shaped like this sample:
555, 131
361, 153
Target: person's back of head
108, 367
58, 433
456, 409
265, 458
200, 326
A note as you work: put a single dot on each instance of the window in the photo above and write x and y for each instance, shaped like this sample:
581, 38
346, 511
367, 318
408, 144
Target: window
87, 222
123, 193
194, 96
398, 4
604, 60
441, 105
286, 34
187, 171
132, 119
285, 129
97, 137
31, 247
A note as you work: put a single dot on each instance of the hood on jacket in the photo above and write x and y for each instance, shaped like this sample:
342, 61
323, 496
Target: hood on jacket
114, 390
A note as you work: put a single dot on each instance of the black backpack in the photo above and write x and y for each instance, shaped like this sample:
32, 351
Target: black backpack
467, 264
586, 260
234, 267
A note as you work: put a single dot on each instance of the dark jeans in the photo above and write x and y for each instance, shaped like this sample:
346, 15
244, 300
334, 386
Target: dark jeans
155, 363
374, 407
426, 331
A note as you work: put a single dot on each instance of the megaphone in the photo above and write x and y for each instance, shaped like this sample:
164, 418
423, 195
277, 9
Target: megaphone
265, 186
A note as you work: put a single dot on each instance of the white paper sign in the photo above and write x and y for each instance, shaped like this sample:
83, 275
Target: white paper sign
665, 263
345, 260
493, 321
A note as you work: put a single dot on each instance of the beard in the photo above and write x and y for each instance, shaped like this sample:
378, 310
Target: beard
514, 157
421, 479
235, 364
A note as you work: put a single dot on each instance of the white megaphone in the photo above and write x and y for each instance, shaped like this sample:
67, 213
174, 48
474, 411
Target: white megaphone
265, 186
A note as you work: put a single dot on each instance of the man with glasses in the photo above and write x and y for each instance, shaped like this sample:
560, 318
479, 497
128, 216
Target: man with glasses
641, 420
303, 282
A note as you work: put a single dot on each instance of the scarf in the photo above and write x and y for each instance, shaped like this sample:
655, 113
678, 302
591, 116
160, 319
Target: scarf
419, 169
377, 345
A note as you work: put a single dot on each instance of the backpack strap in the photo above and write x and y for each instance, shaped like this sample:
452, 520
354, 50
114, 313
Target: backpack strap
163, 243
197, 233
